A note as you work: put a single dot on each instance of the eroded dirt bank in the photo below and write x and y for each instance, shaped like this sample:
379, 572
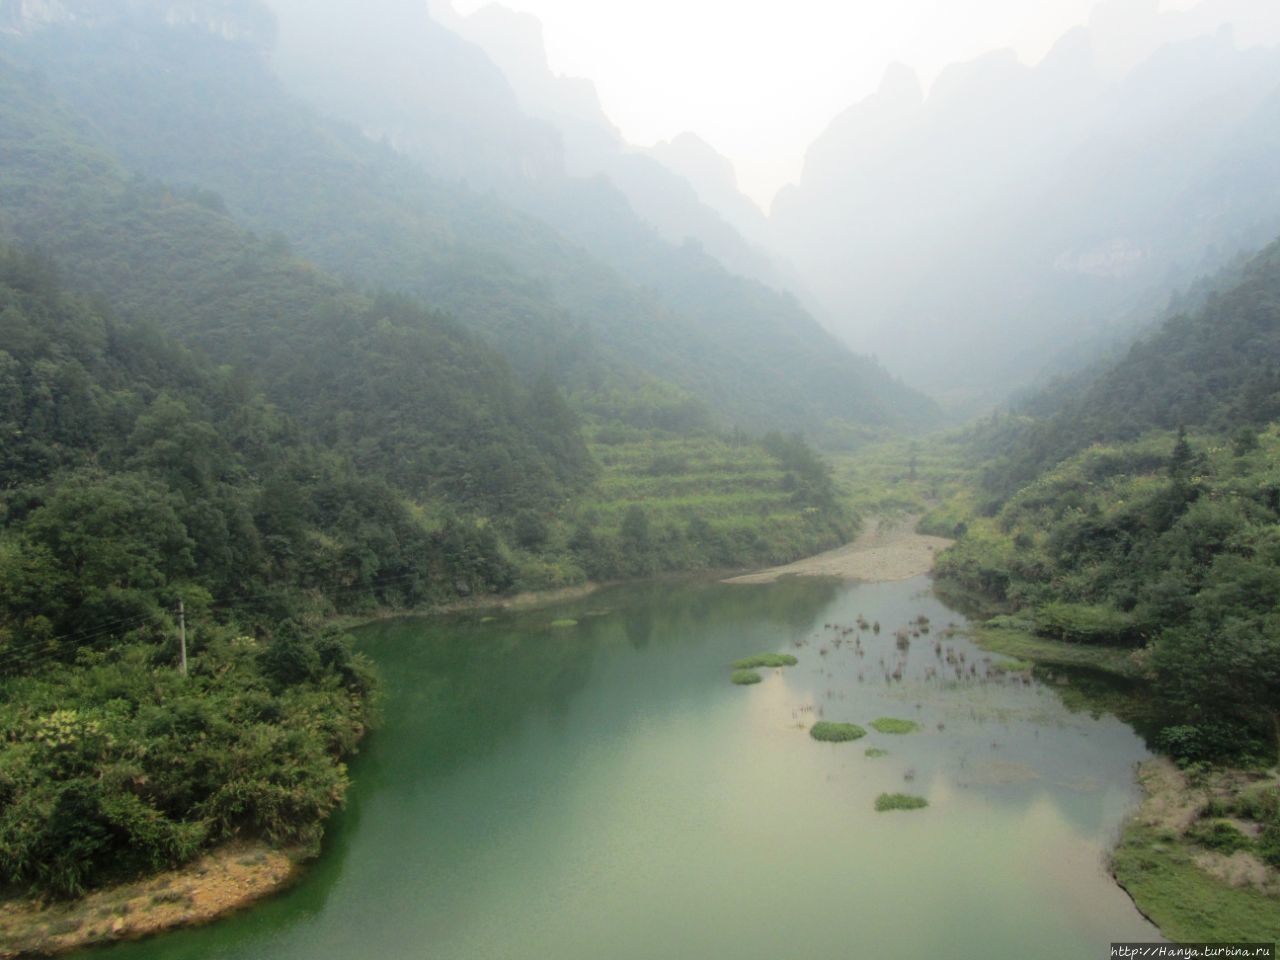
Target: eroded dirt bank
221, 882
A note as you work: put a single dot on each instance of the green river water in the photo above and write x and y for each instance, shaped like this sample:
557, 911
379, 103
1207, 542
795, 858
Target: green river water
602, 791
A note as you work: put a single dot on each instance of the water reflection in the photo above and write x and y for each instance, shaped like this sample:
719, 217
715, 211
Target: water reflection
541, 789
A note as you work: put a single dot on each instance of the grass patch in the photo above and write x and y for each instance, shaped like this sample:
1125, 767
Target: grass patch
563, 624
899, 801
1022, 646
1219, 835
1187, 904
765, 660
876, 752
894, 725
745, 678
1011, 666
830, 732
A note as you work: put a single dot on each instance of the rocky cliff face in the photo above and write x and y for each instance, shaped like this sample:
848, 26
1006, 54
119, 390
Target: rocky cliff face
239, 21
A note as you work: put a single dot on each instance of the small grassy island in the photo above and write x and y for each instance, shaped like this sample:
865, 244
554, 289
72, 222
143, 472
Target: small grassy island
895, 725
765, 660
830, 732
745, 677
899, 801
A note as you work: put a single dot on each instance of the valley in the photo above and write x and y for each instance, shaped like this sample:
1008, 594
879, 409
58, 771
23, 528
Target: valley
420, 504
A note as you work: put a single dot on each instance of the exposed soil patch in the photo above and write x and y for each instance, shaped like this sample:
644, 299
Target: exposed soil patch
887, 550
219, 883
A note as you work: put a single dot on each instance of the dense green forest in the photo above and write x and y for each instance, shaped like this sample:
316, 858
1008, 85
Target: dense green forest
137, 475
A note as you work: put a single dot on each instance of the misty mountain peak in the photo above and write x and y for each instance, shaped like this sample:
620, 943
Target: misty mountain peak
699, 162
900, 85
512, 38
1072, 55
982, 78
514, 42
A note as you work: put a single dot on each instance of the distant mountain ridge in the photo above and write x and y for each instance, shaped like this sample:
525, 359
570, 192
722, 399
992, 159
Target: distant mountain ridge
968, 236
183, 106
722, 220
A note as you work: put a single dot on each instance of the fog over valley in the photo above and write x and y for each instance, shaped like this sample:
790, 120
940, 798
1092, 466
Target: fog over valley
562, 480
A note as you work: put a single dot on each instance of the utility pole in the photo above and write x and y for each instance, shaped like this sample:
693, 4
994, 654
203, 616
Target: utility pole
182, 634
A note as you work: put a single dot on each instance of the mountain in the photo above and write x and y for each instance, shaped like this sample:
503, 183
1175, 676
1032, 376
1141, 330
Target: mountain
1213, 368
713, 178
580, 290
660, 194
399, 388
968, 236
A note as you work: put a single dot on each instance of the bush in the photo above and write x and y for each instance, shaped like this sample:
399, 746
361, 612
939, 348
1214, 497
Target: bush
1219, 835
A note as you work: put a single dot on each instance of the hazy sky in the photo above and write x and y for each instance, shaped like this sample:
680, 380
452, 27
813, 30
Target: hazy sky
760, 79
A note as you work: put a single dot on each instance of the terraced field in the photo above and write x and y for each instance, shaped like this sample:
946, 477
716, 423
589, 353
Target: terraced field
698, 503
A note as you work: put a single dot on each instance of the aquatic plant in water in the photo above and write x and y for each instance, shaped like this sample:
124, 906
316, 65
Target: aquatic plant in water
899, 801
765, 660
895, 725
831, 732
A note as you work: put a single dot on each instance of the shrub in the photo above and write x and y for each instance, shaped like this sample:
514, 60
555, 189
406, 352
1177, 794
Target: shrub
1219, 835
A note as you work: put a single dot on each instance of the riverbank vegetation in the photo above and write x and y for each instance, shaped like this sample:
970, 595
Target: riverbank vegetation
1126, 523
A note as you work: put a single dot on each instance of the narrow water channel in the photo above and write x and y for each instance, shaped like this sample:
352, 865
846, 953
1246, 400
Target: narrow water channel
575, 792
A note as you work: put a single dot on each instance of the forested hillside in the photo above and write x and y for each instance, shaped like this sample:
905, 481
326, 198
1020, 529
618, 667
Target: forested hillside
190, 108
1145, 513
135, 477
193, 416
1215, 366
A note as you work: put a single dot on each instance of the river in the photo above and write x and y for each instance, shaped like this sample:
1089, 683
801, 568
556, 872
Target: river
551, 790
